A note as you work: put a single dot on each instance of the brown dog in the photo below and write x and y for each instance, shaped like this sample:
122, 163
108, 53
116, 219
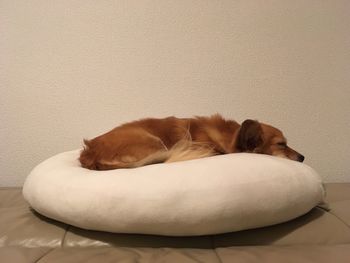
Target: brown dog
171, 139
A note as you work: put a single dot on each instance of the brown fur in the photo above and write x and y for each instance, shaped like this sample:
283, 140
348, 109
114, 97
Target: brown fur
171, 139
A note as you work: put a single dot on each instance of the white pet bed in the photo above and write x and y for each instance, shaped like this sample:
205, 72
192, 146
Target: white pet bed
205, 196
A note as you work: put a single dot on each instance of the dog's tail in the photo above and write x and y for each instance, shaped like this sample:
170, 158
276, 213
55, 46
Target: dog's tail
188, 150
183, 150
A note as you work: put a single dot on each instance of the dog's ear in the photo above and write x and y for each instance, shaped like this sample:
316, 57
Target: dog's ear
250, 136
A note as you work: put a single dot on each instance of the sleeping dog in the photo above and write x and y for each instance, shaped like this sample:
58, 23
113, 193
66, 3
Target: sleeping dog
172, 139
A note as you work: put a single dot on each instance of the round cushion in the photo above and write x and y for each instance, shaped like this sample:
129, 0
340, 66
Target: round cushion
212, 195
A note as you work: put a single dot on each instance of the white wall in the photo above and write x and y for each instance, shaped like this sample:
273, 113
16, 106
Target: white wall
73, 69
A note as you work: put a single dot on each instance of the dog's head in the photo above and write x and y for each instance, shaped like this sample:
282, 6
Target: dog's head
256, 137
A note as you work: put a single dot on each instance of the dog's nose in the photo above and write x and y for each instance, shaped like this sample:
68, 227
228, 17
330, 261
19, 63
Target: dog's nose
301, 158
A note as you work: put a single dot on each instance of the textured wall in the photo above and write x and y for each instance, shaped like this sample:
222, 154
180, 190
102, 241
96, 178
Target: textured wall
74, 69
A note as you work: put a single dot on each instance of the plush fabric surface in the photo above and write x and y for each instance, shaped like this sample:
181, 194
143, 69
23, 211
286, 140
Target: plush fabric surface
206, 196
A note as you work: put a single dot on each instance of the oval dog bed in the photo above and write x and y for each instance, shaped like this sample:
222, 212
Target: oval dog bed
205, 196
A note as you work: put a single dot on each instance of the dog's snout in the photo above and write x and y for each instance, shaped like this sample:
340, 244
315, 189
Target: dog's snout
301, 158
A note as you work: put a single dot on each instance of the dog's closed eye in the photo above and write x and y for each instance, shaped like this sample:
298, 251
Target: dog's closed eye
282, 144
